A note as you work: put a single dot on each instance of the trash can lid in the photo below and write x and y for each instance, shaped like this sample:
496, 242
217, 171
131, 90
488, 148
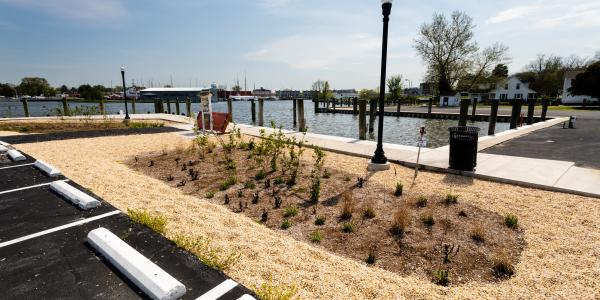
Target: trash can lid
464, 129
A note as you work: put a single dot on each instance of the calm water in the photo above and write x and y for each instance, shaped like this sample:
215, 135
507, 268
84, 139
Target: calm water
403, 131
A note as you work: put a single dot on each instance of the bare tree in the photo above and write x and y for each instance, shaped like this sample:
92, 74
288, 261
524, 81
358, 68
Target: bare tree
576, 62
447, 47
483, 63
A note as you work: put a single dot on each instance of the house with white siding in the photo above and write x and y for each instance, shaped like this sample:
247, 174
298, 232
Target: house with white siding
512, 88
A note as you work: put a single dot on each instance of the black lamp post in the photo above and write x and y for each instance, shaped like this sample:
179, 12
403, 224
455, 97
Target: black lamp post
124, 92
379, 157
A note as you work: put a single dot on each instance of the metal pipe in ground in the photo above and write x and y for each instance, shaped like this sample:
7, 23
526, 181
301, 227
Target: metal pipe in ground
493, 117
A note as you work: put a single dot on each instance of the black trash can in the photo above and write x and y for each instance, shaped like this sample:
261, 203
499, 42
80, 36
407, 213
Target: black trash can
463, 147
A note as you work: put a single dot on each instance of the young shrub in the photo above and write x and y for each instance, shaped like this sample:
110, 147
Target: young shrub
371, 255
278, 202
462, 213
503, 266
399, 188
441, 277
264, 216
227, 183
400, 221
348, 227
250, 185
320, 220
271, 291
368, 213
157, 223
286, 224
511, 221
347, 178
316, 236
210, 195
230, 165
315, 175
478, 233
326, 174
347, 206
240, 193
421, 201
278, 180
260, 175
451, 199
427, 219
255, 198
169, 177
290, 211
227, 199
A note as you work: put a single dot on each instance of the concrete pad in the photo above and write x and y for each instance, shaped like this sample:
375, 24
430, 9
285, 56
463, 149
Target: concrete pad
580, 179
146, 275
528, 170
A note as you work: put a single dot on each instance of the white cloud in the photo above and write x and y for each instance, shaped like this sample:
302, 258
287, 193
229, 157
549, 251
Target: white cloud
551, 14
88, 10
320, 52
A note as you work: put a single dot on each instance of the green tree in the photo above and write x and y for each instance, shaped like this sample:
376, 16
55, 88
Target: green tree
35, 86
326, 93
394, 85
368, 94
500, 71
89, 92
63, 89
544, 75
587, 83
7, 90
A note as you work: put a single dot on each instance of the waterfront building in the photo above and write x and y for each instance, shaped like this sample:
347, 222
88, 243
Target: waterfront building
289, 94
345, 94
512, 88
173, 93
263, 93
567, 98
309, 94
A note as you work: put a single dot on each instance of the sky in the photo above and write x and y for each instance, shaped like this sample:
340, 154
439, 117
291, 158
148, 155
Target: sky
278, 44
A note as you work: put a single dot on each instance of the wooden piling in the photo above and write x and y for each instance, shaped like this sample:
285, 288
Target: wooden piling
177, 110
354, 105
515, 114
253, 111
65, 107
473, 111
261, 106
133, 105
372, 109
101, 106
493, 117
301, 120
429, 107
464, 111
25, 107
188, 107
545, 103
398, 106
169, 105
362, 119
294, 112
530, 110
316, 102
230, 107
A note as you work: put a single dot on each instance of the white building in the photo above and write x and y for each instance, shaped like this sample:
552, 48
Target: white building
512, 88
344, 94
570, 99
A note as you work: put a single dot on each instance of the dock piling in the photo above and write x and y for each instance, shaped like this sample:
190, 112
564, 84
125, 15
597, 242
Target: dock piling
65, 107
362, 119
188, 107
301, 120
169, 105
133, 105
261, 106
530, 110
253, 111
516, 113
464, 111
545, 103
294, 111
177, 110
473, 111
25, 107
354, 105
372, 109
493, 117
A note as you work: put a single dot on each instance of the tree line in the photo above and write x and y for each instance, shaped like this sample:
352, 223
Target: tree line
37, 86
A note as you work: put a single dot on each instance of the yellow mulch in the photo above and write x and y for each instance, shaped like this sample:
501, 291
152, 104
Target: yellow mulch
561, 260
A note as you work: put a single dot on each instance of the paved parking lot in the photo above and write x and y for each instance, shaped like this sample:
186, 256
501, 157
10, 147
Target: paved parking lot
44, 253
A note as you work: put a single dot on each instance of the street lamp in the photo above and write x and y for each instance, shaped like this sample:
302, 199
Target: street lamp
379, 161
124, 92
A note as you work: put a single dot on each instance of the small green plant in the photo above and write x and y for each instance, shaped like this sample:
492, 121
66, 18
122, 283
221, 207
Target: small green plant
320, 220
255, 198
278, 180
278, 202
511, 221
347, 206
371, 255
400, 221
421, 201
264, 216
270, 291
250, 185
157, 223
441, 277
240, 193
260, 175
348, 227
229, 182
399, 188
368, 213
478, 234
326, 174
451, 199
427, 219
347, 178
210, 195
315, 187
230, 165
290, 211
286, 224
503, 266
316, 236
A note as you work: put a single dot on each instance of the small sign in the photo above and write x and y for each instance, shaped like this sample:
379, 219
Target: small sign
422, 143
206, 111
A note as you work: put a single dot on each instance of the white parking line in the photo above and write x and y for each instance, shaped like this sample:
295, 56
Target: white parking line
28, 187
10, 167
219, 290
55, 229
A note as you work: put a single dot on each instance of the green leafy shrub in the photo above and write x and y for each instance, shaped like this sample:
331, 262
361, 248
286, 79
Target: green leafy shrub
286, 224
451, 199
278, 180
399, 188
229, 182
316, 236
511, 221
348, 227
427, 219
260, 175
290, 211
422, 201
320, 220
249, 185
157, 223
210, 195
441, 277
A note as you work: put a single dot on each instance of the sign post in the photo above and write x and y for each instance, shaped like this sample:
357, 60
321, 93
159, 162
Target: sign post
422, 143
206, 111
